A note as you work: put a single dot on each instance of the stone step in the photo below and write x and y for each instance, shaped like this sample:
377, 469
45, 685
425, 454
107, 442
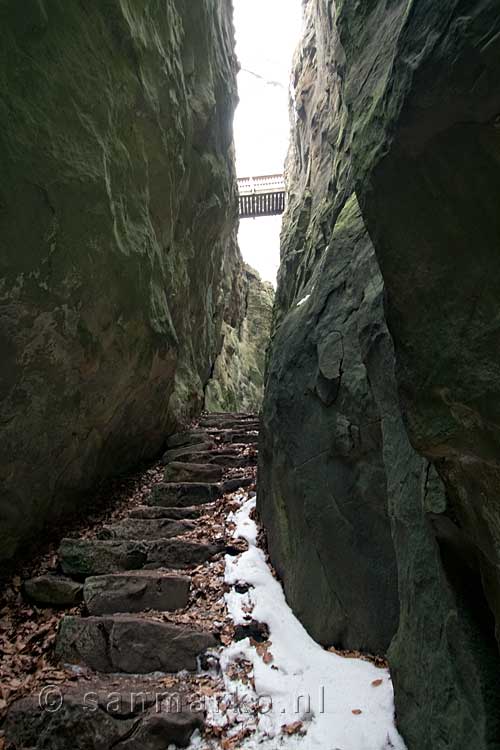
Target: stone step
178, 471
230, 461
247, 424
189, 437
82, 558
209, 418
151, 512
130, 644
180, 494
185, 453
53, 591
231, 485
121, 712
180, 553
146, 529
136, 592
232, 436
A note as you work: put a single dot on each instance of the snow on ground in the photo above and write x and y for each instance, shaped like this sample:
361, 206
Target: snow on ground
292, 693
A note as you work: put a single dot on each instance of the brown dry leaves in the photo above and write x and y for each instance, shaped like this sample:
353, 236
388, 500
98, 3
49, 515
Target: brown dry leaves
27, 636
297, 727
378, 661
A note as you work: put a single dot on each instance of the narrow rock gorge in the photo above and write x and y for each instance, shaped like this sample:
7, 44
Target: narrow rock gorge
379, 458
237, 380
210, 487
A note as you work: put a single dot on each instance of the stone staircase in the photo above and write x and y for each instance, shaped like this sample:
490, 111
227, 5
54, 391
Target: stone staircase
126, 575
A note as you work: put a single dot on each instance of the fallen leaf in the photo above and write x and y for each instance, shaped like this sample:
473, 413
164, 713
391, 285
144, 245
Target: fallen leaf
357, 711
294, 728
377, 683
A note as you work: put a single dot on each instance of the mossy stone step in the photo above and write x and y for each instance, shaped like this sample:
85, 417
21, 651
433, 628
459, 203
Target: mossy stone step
150, 512
82, 558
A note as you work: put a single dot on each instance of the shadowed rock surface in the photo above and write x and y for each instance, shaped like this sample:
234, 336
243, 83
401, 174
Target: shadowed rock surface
53, 591
179, 471
88, 718
187, 493
184, 453
118, 212
399, 104
237, 380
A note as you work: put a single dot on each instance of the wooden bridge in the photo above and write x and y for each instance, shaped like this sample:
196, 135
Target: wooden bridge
261, 196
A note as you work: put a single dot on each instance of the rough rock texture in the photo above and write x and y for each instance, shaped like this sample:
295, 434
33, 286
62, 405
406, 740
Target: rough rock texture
136, 592
123, 714
117, 218
130, 644
53, 591
399, 102
237, 381
322, 480
81, 558
422, 86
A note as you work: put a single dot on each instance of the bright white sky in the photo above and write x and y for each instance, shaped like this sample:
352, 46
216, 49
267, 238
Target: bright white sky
267, 32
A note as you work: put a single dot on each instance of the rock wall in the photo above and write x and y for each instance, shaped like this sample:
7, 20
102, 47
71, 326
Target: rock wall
322, 480
117, 218
237, 382
380, 450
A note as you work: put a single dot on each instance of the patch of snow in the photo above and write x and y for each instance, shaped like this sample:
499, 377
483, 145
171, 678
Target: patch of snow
325, 701
304, 299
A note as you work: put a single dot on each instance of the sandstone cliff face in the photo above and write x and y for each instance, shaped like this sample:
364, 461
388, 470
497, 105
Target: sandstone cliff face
322, 480
117, 216
237, 381
400, 103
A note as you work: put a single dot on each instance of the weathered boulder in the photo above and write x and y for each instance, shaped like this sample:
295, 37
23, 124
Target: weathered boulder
237, 380
117, 218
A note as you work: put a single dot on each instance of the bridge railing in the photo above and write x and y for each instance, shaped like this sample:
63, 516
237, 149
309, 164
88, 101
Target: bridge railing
261, 184
263, 195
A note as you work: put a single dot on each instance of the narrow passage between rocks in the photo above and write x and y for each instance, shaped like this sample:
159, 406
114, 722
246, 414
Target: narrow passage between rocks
177, 633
